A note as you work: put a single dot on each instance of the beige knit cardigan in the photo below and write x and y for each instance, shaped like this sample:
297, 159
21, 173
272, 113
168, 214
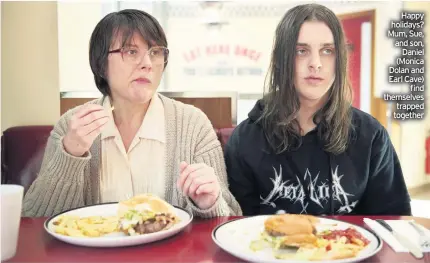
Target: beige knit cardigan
67, 182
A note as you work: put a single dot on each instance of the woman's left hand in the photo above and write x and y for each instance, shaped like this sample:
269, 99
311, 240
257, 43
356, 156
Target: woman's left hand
199, 182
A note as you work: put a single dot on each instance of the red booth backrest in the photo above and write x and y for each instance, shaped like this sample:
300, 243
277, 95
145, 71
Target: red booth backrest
23, 149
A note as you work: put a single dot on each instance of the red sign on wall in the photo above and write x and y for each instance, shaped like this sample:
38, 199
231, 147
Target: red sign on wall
221, 49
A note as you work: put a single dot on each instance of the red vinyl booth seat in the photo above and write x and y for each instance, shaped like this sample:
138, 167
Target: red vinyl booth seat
22, 150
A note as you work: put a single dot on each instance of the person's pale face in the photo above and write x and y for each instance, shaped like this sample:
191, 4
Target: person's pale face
315, 61
133, 82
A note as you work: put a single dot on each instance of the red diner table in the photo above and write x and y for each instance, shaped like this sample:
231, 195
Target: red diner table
193, 244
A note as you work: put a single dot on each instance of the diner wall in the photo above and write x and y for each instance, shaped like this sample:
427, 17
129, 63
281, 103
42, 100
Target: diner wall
29, 47
237, 47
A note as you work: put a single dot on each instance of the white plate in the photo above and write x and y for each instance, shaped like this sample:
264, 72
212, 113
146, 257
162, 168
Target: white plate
115, 239
235, 237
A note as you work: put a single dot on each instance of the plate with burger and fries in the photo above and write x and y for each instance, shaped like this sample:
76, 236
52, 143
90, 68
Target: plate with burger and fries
141, 219
295, 238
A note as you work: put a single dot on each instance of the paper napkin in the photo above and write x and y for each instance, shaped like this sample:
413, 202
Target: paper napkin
401, 226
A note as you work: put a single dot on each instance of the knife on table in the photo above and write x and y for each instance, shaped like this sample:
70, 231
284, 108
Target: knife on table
413, 249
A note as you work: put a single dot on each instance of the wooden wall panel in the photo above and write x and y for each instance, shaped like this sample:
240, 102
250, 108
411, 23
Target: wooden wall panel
69, 103
218, 110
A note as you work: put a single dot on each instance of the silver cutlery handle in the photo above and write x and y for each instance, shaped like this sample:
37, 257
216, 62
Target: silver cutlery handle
384, 224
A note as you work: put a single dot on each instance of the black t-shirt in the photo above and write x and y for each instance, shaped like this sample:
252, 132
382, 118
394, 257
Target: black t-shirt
365, 179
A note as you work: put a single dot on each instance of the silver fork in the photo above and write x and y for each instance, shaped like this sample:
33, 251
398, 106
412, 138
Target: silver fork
424, 239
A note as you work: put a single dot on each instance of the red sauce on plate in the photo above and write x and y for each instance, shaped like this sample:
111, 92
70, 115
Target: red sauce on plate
349, 233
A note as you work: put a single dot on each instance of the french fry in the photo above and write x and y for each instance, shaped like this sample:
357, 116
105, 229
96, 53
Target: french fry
358, 242
96, 220
73, 232
91, 232
81, 224
93, 226
60, 230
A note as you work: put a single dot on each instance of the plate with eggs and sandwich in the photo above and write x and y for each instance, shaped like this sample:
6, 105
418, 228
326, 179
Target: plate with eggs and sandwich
141, 219
295, 238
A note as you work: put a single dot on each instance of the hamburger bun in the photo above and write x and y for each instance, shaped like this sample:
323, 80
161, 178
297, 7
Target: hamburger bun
144, 202
290, 224
293, 230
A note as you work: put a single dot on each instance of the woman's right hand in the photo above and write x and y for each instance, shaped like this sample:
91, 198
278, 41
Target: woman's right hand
84, 126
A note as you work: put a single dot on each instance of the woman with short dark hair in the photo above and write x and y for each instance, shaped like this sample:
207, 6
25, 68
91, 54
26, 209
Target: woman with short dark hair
132, 140
304, 148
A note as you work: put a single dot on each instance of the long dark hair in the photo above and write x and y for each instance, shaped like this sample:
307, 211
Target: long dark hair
281, 103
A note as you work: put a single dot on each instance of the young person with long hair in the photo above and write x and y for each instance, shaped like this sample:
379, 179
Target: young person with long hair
304, 148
